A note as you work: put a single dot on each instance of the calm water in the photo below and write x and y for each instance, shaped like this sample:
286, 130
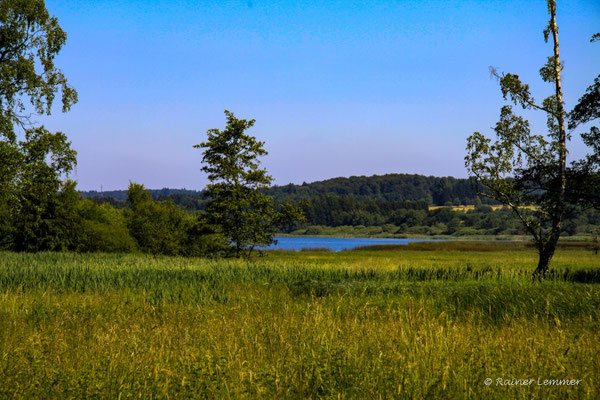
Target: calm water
335, 244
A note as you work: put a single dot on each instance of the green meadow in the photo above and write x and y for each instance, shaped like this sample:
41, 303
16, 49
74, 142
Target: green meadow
428, 320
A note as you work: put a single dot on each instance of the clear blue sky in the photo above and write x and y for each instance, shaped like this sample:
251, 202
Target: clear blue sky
338, 88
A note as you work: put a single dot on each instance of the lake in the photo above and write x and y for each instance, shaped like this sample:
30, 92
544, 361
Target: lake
333, 243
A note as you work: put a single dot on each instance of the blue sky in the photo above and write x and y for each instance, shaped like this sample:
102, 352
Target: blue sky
338, 88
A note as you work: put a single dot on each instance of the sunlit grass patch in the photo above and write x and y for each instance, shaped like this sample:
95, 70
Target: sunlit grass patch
356, 324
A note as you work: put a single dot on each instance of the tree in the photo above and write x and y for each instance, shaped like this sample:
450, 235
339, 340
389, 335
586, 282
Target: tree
102, 228
528, 172
158, 227
30, 169
246, 216
36, 207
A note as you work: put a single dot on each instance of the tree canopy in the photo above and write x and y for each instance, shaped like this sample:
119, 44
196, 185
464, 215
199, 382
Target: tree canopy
30, 39
33, 160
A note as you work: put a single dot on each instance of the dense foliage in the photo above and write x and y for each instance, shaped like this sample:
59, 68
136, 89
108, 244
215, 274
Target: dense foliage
83, 225
438, 191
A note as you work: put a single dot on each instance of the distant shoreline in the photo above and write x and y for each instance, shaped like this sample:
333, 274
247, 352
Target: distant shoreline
492, 238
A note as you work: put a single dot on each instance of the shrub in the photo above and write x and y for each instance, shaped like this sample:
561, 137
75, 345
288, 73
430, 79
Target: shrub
103, 228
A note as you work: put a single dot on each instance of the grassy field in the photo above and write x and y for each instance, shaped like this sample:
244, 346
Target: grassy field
422, 321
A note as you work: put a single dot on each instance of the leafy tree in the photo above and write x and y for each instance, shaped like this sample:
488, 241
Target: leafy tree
163, 228
289, 216
203, 239
68, 220
245, 215
30, 169
158, 228
528, 172
35, 201
102, 229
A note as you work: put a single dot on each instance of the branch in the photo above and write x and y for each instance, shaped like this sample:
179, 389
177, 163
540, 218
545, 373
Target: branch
515, 95
518, 146
503, 196
531, 104
526, 223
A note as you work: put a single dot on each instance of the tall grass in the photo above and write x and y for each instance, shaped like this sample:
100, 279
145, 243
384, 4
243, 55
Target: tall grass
416, 323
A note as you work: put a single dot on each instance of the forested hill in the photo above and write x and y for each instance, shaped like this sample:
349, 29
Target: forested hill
386, 188
381, 188
121, 195
190, 200
393, 203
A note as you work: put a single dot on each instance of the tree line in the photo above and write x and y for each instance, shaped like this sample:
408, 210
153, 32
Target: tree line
323, 206
389, 188
374, 217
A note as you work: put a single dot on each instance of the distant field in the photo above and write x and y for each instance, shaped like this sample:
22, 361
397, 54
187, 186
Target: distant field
471, 207
431, 320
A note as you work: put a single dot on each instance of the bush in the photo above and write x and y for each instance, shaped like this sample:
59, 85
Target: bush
202, 239
314, 230
163, 228
467, 231
390, 228
418, 230
103, 228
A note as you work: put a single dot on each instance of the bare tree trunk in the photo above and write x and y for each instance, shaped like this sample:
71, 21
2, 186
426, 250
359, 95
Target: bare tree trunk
546, 250
546, 253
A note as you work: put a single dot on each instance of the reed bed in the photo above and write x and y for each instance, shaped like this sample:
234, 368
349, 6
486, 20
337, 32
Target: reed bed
416, 323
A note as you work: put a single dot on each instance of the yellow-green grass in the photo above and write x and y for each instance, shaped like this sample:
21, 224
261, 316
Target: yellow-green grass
426, 321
